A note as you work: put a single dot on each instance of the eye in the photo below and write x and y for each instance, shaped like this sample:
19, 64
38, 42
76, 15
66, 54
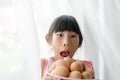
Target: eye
73, 36
60, 35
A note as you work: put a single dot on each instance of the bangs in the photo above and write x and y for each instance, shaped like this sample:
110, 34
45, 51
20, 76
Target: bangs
67, 24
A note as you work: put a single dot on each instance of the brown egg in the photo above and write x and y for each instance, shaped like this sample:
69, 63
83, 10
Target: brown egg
68, 59
75, 66
62, 62
61, 71
91, 71
75, 74
86, 75
82, 65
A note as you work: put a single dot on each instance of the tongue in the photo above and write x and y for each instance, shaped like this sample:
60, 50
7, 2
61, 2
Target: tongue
64, 54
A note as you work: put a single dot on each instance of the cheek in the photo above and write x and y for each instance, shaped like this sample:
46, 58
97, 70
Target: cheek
75, 43
55, 44
74, 47
57, 41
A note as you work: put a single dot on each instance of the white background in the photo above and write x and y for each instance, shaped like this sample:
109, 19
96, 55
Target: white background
24, 24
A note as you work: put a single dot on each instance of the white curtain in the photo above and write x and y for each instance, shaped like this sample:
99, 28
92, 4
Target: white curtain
24, 24
101, 23
19, 49
109, 38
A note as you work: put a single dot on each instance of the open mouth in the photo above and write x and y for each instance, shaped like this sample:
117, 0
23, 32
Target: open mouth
65, 53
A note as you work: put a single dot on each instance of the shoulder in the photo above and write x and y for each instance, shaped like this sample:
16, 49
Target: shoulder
43, 61
43, 65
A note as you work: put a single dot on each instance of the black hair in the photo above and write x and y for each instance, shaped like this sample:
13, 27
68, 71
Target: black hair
65, 23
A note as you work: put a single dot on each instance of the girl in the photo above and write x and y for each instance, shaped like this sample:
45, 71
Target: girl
65, 38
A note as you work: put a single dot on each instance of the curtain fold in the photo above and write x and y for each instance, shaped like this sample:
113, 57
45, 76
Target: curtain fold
103, 28
19, 49
110, 48
24, 24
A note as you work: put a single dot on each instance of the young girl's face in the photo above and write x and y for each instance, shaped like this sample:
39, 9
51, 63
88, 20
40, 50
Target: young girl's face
64, 43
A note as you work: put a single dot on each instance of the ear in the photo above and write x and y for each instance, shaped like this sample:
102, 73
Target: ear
48, 39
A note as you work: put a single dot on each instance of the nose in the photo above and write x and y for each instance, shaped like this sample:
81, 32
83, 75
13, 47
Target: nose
66, 42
